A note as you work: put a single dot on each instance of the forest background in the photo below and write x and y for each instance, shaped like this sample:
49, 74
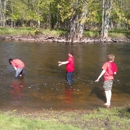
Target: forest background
101, 18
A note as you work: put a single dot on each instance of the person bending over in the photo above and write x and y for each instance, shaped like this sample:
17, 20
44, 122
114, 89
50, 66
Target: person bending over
18, 66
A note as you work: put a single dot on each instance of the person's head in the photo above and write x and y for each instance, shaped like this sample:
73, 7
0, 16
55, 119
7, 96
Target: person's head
71, 53
111, 57
10, 60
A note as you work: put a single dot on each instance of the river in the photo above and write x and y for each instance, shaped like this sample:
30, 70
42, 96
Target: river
44, 85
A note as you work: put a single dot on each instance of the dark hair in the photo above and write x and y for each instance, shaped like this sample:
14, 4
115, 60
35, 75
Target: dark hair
71, 52
10, 60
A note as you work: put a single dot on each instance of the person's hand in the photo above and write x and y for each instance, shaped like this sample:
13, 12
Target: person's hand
15, 68
114, 73
59, 63
97, 80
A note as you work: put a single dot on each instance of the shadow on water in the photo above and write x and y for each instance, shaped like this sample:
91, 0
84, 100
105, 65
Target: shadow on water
44, 85
98, 92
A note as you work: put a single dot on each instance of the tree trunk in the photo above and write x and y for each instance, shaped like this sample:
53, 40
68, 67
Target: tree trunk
4, 13
0, 13
106, 6
73, 22
77, 23
39, 24
82, 21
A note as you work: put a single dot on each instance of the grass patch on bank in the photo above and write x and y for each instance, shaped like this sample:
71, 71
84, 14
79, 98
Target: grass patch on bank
91, 33
25, 31
119, 33
15, 31
100, 119
30, 31
9, 122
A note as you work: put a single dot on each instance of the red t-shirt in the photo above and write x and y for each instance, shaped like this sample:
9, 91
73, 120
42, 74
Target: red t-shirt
70, 65
110, 68
17, 63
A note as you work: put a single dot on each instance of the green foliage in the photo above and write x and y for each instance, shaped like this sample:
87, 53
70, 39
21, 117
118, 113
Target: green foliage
66, 9
94, 11
54, 13
121, 12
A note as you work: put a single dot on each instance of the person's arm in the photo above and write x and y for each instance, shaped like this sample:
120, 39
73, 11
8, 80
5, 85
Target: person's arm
15, 68
102, 73
62, 63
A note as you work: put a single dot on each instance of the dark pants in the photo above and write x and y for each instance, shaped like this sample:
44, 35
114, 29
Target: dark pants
69, 76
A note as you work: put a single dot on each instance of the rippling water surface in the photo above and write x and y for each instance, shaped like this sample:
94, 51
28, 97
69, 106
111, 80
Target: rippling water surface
44, 85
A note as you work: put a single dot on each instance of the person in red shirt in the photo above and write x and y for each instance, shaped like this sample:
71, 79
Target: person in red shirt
69, 67
18, 66
109, 70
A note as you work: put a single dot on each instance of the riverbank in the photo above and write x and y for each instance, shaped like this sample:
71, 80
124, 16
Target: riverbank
101, 118
43, 38
59, 36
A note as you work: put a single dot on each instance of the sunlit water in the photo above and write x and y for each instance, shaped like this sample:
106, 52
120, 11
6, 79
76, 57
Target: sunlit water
44, 85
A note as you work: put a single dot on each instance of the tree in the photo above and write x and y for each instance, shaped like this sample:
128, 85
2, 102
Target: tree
106, 12
75, 11
121, 14
2, 12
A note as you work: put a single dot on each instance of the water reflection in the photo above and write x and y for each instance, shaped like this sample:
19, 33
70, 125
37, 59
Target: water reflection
68, 97
16, 93
44, 83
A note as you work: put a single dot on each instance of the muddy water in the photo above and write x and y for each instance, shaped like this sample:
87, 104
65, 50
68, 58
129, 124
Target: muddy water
44, 85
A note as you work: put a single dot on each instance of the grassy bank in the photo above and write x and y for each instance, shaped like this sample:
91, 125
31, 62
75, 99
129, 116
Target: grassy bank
101, 119
30, 31
57, 33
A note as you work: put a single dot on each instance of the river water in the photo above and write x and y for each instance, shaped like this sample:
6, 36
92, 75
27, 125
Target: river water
44, 85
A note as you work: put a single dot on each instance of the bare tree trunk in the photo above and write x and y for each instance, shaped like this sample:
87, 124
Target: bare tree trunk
103, 10
82, 21
73, 22
39, 23
4, 13
77, 23
12, 23
0, 13
106, 6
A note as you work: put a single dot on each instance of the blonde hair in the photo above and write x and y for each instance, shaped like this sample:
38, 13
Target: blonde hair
111, 57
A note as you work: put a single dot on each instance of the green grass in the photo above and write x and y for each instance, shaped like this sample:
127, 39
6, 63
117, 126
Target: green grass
91, 33
15, 31
30, 31
119, 33
25, 31
100, 119
21, 123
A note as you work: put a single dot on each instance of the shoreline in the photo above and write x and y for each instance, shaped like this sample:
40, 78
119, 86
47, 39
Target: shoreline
61, 39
